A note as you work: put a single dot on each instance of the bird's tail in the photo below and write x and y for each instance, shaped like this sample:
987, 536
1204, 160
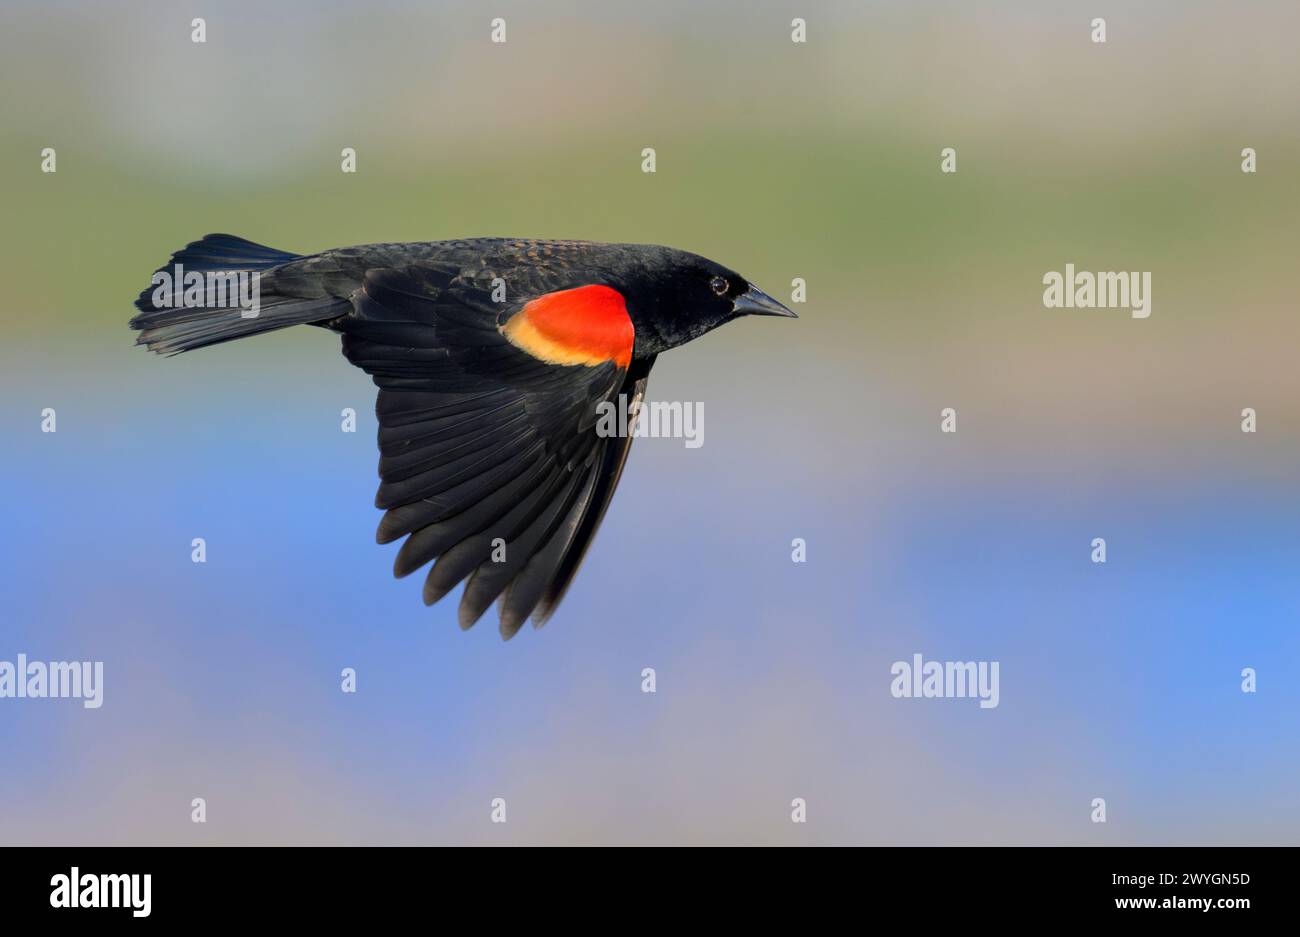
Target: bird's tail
217, 289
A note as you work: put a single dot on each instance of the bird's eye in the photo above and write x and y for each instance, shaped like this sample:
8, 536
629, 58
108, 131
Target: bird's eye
718, 285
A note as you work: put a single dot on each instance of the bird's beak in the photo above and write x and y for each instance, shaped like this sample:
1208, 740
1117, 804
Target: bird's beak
754, 302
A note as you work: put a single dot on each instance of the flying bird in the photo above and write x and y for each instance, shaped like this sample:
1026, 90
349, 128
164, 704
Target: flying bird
492, 357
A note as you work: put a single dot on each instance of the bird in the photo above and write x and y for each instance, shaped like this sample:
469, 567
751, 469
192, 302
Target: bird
491, 357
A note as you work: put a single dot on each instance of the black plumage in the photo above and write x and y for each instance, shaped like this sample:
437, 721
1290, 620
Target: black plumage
487, 439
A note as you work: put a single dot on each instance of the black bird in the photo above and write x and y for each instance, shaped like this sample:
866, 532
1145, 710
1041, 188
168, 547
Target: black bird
491, 356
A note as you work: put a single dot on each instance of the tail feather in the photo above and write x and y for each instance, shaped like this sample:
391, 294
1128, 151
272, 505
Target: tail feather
218, 251
220, 288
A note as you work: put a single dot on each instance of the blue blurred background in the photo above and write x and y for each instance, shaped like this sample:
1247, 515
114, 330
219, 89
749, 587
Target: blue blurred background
782, 160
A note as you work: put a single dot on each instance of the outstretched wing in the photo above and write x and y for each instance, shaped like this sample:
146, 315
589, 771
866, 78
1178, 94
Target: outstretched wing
490, 460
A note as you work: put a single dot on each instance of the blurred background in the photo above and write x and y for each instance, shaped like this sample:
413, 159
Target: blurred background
782, 160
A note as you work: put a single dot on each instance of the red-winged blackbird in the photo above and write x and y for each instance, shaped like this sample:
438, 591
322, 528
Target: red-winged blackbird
491, 356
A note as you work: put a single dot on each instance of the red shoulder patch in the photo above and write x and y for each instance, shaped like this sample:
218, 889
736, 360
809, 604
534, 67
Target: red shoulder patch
588, 325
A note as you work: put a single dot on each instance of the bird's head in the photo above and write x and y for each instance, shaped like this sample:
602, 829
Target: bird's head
674, 296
